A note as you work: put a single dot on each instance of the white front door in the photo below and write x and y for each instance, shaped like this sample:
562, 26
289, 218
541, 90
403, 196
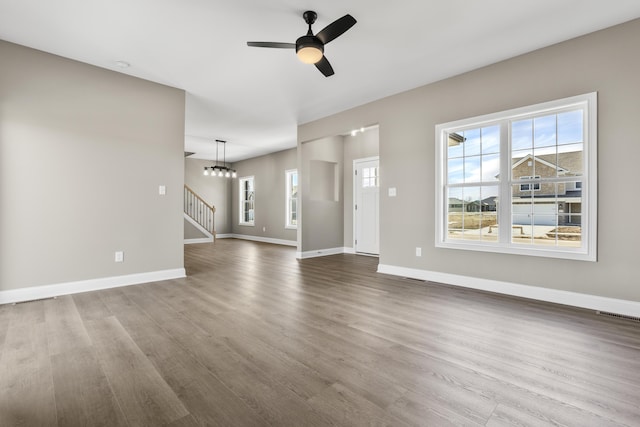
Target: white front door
366, 206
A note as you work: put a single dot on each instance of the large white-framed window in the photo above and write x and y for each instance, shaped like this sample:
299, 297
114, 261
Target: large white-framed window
247, 200
522, 181
291, 196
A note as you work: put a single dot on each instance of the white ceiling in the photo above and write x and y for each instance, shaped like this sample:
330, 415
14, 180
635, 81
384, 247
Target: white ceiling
255, 98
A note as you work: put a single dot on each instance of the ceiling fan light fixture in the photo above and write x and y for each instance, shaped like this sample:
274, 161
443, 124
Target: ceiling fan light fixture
309, 49
309, 55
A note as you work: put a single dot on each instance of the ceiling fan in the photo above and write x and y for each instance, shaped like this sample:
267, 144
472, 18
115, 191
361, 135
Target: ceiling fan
310, 48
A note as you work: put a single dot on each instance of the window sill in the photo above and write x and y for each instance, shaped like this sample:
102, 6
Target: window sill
578, 254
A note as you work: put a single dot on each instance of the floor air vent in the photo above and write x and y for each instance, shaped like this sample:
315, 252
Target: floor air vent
619, 316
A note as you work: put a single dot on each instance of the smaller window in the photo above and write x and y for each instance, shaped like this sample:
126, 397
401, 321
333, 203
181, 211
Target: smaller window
247, 201
370, 177
291, 177
528, 187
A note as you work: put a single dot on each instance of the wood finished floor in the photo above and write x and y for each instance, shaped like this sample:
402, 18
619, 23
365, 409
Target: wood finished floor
254, 337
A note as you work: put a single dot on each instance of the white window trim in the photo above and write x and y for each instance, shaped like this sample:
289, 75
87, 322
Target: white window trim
588, 251
241, 205
287, 189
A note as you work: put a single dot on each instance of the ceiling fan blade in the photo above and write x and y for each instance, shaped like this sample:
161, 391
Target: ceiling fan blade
325, 67
276, 45
336, 28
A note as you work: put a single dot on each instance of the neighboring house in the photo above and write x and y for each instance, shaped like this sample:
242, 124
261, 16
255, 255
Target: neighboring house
545, 200
485, 205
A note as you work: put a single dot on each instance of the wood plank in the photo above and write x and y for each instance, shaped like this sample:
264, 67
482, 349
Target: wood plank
26, 386
415, 409
273, 401
28, 313
145, 398
5, 319
208, 400
83, 394
346, 408
65, 330
90, 306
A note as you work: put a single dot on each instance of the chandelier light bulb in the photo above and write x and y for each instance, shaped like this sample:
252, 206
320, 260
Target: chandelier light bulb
206, 171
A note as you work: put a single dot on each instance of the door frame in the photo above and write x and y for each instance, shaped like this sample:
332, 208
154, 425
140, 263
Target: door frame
353, 204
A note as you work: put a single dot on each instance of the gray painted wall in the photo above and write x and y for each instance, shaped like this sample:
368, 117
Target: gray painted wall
362, 145
216, 191
606, 62
270, 209
322, 220
82, 153
191, 232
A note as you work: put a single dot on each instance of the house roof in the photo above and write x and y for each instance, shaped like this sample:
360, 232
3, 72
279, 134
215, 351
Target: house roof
538, 159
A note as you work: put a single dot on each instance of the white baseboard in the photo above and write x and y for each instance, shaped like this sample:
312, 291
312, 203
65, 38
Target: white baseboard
320, 252
258, 239
593, 302
48, 291
201, 240
349, 250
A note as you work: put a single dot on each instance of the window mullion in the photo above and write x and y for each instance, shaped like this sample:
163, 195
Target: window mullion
504, 212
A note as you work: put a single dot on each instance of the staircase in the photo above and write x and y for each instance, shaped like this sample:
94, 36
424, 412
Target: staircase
200, 214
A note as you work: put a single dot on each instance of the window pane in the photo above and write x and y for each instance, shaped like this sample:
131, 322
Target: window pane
491, 140
521, 214
570, 127
569, 231
472, 142
522, 164
246, 202
455, 171
454, 212
472, 171
521, 134
489, 221
472, 213
455, 146
570, 159
550, 216
544, 131
490, 167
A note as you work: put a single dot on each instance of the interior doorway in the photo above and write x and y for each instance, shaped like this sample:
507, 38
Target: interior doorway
366, 216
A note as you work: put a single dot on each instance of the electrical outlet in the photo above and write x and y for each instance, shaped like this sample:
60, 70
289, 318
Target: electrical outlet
119, 256
264, 229
162, 190
418, 251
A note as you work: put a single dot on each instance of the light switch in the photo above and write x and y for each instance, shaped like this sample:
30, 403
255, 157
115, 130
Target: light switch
162, 190
119, 256
392, 192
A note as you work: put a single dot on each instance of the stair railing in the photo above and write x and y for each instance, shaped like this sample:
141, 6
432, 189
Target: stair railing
199, 210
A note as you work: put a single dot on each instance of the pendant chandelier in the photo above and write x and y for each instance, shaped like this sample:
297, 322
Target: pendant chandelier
217, 170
